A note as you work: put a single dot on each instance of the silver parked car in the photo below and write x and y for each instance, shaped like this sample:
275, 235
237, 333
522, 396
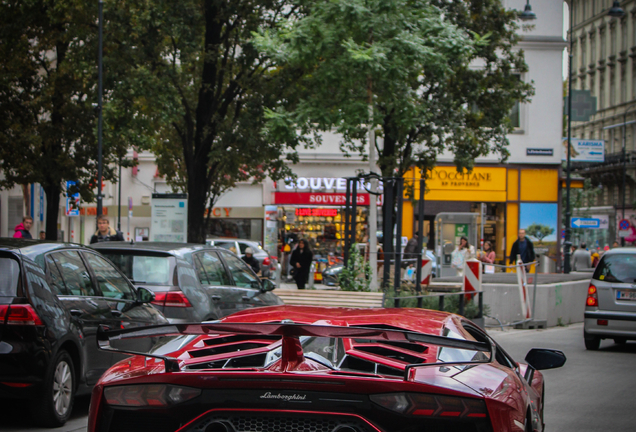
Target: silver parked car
238, 246
610, 309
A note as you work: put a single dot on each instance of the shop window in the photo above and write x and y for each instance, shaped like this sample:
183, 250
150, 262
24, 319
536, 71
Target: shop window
246, 229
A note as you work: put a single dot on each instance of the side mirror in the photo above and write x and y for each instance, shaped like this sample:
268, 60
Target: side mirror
144, 295
267, 285
543, 358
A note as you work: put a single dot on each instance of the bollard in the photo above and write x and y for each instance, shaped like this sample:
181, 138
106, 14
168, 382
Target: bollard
312, 271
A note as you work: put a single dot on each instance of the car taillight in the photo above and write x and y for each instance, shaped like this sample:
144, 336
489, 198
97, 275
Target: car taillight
592, 296
171, 299
19, 314
266, 261
431, 405
151, 395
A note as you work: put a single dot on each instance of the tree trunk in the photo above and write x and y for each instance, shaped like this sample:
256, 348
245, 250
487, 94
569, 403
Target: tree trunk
52, 209
197, 200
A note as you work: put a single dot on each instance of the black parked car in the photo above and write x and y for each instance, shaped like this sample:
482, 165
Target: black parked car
191, 282
53, 297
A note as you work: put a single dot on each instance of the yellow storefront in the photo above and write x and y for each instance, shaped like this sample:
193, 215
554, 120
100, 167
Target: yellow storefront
516, 197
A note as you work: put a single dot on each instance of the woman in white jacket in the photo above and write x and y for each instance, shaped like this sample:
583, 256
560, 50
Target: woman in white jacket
462, 253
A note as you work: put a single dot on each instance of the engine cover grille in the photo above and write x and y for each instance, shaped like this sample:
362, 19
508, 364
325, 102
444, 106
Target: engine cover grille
281, 422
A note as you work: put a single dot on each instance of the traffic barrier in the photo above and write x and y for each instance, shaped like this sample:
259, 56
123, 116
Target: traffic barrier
472, 276
522, 281
427, 270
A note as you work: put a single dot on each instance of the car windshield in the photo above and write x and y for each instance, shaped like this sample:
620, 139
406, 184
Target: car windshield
147, 269
452, 355
10, 271
619, 268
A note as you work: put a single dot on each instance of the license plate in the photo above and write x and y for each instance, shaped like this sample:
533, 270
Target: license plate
625, 295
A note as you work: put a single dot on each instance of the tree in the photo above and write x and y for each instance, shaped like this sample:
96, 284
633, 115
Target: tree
416, 59
47, 86
189, 68
539, 231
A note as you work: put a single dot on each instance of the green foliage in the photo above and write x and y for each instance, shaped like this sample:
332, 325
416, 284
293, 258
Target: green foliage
191, 83
580, 200
357, 275
48, 83
451, 302
411, 61
539, 231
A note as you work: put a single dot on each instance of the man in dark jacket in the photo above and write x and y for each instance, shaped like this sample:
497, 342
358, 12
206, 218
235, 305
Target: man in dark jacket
22, 230
251, 261
410, 251
522, 246
104, 232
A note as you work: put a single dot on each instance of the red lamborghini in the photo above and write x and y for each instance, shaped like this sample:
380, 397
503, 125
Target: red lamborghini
312, 369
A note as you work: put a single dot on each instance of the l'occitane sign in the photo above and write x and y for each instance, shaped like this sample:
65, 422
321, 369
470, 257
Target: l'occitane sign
479, 179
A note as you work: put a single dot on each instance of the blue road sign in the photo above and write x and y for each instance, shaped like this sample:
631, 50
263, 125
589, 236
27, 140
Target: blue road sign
623, 225
585, 223
72, 201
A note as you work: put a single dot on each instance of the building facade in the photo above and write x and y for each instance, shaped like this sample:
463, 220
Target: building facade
604, 62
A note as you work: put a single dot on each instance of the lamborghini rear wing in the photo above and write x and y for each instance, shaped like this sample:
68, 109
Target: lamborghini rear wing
287, 330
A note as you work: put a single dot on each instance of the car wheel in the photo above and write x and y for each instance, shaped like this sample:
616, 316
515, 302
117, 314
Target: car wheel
592, 343
620, 341
55, 403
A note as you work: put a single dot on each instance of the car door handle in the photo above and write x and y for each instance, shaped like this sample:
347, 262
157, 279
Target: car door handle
116, 312
76, 312
216, 298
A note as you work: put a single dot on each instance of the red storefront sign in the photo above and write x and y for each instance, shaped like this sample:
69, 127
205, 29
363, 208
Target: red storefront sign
304, 211
317, 198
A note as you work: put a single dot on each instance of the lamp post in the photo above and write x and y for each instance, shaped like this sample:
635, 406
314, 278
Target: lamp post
527, 14
99, 108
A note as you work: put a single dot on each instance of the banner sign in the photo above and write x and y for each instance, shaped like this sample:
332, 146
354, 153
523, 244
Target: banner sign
317, 198
585, 150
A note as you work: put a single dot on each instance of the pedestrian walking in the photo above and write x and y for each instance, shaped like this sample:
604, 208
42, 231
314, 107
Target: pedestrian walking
522, 246
462, 253
22, 230
105, 232
300, 262
487, 255
42, 235
596, 256
615, 245
251, 261
582, 258
410, 250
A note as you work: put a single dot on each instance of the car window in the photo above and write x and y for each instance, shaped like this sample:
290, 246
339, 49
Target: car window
144, 269
243, 246
111, 282
210, 269
54, 276
73, 273
242, 274
231, 246
10, 271
620, 268
450, 355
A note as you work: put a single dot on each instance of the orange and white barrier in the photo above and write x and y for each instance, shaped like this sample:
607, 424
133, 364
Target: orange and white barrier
472, 276
522, 282
427, 270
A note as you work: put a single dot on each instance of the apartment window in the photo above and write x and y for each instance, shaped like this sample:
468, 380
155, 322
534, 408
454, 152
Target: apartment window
612, 88
603, 43
634, 80
592, 86
623, 95
592, 48
623, 34
613, 40
515, 113
575, 58
583, 49
601, 91
633, 29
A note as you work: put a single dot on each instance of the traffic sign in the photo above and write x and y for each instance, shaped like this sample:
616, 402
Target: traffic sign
72, 201
624, 225
585, 223
624, 233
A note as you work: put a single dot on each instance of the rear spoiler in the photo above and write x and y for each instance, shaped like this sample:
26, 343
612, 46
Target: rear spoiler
287, 330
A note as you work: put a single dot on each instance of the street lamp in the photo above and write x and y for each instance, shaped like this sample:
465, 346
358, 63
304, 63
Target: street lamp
99, 107
527, 14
